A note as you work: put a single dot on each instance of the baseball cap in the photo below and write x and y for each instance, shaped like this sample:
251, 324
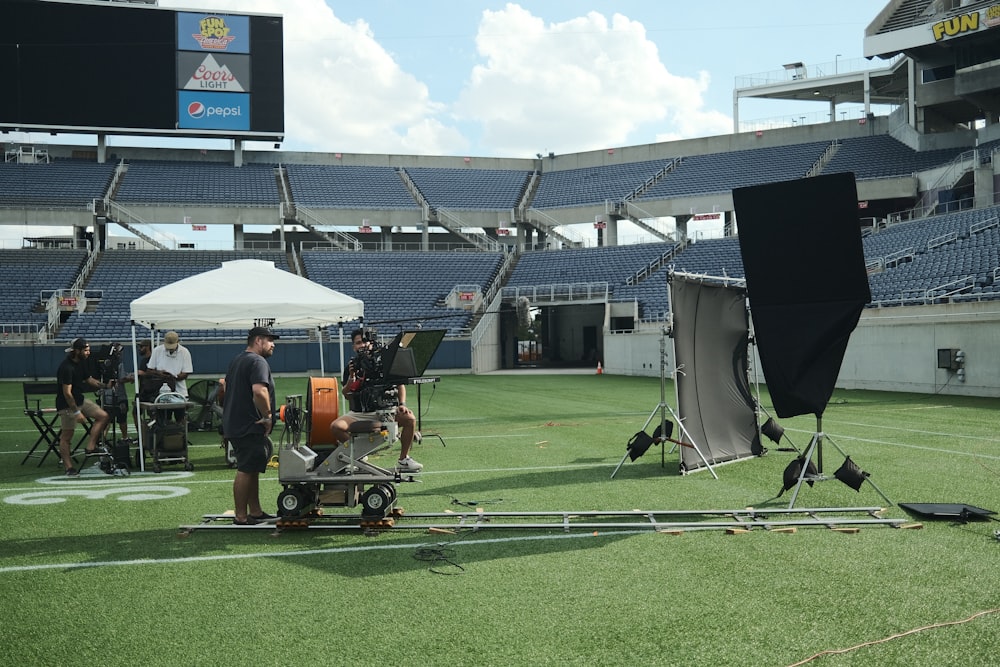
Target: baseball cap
262, 331
78, 344
171, 340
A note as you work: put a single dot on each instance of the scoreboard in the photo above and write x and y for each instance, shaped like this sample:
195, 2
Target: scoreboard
121, 68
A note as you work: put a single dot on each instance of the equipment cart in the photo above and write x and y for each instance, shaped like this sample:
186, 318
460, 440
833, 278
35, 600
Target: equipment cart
165, 431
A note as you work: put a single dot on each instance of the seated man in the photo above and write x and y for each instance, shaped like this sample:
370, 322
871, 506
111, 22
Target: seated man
352, 383
73, 376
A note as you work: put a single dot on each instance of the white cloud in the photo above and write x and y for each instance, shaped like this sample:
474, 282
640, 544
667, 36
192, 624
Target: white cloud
343, 90
578, 85
581, 84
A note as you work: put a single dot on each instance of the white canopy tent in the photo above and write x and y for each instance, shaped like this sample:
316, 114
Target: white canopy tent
242, 294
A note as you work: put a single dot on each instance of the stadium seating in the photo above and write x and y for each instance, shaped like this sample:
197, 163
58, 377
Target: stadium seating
204, 183
403, 289
881, 156
338, 186
470, 189
954, 256
568, 271
65, 183
26, 274
120, 277
712, 257
950, 256
594, 185
721, 172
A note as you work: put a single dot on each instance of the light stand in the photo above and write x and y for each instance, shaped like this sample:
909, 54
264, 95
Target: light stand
662, 408
420, 435
816, 447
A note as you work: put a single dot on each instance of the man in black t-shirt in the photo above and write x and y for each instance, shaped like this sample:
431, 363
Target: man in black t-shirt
247, 415
74, 378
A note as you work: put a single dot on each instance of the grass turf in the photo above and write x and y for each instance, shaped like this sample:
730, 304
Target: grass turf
93, 570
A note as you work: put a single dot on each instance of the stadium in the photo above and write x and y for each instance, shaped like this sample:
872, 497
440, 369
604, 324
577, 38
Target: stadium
562, 287
481, 232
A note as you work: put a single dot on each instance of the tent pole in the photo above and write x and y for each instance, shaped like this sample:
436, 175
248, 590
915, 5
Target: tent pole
319, 336
135, 399
341, 346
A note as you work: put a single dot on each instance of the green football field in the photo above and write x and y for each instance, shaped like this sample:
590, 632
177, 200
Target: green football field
95, 571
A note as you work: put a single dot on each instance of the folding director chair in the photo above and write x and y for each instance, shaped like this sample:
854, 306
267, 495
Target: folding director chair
40, 407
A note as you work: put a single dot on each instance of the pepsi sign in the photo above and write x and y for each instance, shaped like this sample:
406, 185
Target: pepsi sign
213, 111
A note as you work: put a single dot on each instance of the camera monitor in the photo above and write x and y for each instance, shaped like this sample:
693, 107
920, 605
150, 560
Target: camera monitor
410, 352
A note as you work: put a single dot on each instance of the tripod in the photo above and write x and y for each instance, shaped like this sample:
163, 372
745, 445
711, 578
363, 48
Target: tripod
420, 435
662, 408
816, 447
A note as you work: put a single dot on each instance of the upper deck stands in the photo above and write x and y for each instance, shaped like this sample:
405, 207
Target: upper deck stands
202, 183
338, 186
61, 183
721, 172
589, 186
470, 189
882, 156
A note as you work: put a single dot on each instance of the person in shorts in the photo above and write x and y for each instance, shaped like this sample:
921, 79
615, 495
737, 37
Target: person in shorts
247, 416
352, 383
74, 378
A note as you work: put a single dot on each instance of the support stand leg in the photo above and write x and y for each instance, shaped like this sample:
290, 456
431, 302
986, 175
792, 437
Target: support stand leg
816, 447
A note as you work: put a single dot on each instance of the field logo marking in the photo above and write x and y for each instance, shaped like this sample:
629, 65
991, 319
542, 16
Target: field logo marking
130, 489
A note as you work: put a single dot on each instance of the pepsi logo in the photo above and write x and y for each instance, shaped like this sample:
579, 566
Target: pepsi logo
196, 110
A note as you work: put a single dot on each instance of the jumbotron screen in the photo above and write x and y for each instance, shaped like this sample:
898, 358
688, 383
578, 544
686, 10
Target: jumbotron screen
121, 68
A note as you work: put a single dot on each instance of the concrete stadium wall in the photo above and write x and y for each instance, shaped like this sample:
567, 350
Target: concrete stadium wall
210, 360
895, 349
892, 349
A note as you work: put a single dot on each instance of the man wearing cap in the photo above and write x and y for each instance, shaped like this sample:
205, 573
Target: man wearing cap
74, 378
247, 415
173, 361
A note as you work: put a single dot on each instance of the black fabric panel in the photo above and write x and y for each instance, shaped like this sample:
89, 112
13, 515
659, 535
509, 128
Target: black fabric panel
801, 348
806, 280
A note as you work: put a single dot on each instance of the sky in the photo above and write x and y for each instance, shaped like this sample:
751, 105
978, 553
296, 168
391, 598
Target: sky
495, 79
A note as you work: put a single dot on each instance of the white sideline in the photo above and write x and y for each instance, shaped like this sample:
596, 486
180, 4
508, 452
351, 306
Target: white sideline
309, 552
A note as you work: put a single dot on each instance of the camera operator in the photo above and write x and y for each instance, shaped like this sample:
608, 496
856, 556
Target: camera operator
355, 376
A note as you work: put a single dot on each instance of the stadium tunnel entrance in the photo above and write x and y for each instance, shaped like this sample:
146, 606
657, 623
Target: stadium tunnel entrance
557, 336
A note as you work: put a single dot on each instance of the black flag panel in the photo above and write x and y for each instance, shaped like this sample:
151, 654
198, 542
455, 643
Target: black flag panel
806, 281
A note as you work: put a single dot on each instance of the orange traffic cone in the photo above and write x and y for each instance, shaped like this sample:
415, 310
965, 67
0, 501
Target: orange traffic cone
600, 371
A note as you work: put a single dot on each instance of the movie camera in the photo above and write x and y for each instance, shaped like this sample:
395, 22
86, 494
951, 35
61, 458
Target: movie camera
107, 363
106, 366
369, 375
324, 472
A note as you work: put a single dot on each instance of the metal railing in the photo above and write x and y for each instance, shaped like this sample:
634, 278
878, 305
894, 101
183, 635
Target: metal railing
553, 292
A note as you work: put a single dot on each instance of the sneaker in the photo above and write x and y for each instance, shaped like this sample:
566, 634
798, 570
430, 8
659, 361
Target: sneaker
263, 516
408, 465
72, 472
